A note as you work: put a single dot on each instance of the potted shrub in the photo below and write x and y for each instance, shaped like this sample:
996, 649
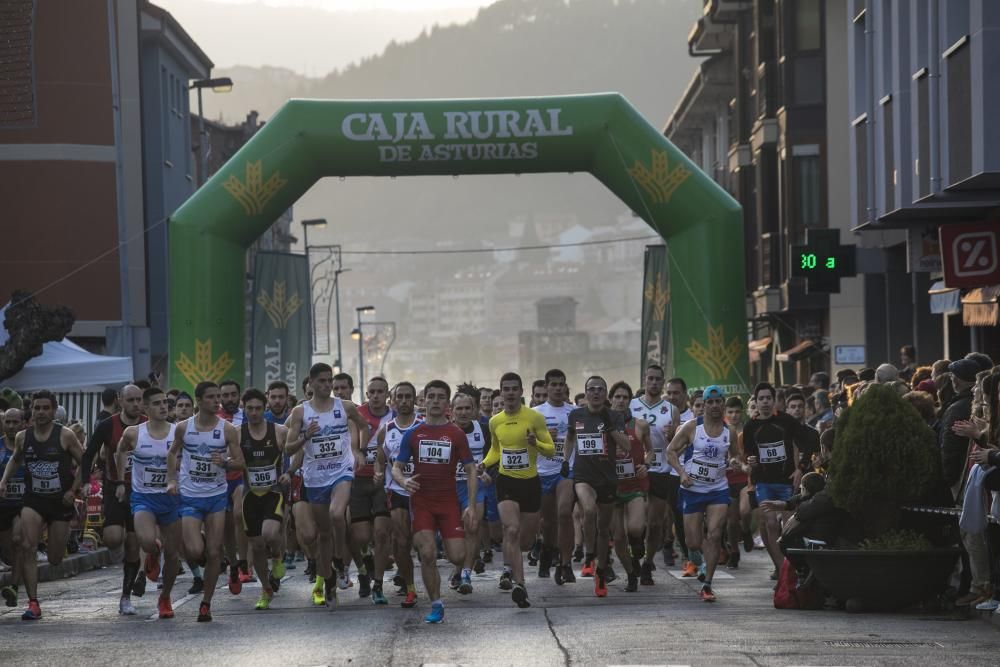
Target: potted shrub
886, 457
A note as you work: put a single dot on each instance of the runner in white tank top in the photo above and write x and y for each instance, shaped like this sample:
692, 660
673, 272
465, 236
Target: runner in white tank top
149, 460
329, 456
200, 477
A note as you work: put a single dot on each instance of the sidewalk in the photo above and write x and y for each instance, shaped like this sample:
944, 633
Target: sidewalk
71, 566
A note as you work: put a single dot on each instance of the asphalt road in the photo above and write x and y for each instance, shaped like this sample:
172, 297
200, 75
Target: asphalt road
660, 625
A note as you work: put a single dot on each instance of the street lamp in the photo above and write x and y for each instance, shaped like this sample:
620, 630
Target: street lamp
220, 85
336, 296
318, 223
361, 345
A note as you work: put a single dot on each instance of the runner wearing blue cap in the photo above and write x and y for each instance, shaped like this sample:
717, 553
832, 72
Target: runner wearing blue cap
701, 452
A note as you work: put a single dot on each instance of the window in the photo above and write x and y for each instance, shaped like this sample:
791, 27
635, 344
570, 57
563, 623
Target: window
17, 64
808, 35
922, 166
959, 116
809, 184
888, 156
807, 80
861, 166
165, 120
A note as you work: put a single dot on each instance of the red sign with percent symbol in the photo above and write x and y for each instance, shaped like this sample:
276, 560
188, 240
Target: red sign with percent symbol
970, 254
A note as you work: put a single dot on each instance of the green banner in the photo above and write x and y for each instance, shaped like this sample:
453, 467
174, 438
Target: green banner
602, 134
655, 311
282, 339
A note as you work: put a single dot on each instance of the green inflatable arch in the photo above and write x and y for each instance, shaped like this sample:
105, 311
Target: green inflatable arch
603, 134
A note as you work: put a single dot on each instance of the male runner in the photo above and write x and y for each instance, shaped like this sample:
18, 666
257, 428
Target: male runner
277, 403
205, 447
558, 496
677, 394
707, 445
463, 410
436, 447
485, 406
152, 507
263, 444
629, 520
118, 522
333, 435
739, 515
343, 388
594, 436
184, 409
236, 541
517, 436
10, 506
539, 393
662, 418
389, 438
47, 452
369, 508
772, 445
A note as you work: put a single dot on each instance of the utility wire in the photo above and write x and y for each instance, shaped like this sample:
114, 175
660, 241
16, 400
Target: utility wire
458, 251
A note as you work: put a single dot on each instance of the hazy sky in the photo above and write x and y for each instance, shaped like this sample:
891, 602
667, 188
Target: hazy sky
401, 5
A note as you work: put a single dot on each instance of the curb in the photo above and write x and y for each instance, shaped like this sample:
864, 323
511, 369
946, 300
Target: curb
69, 567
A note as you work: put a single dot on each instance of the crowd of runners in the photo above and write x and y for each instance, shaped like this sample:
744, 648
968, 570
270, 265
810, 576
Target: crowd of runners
236, 483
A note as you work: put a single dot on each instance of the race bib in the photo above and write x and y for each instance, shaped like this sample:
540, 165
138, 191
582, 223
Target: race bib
434, 451
590, 444
15, 490
772, 452
706, 472
328, 447
658, 458
263, 478
370, 455
560, 448
203, 470
408, 469
516, 459
625, 468
45, 484
154, 478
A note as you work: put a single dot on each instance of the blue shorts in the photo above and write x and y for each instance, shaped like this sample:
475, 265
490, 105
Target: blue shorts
773, 492
199, 508
163, 506
550, 482
320, 495
463, 494
491, 513
693, 502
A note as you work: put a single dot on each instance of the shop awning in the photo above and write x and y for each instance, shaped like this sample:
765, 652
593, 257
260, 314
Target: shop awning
800, 351
757, 347
980, 307
944, 300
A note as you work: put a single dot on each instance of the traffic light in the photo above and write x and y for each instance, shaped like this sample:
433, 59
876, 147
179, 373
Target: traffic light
822, 261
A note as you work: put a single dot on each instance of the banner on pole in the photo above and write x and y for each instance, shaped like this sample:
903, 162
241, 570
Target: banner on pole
656, 310
282, 339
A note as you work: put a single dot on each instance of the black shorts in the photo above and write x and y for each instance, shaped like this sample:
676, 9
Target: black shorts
50, 509
659, 485
606, 493
398, 501
117, 512
367, 500
527, 493
735, 489
7, 516
258, 509
673, 492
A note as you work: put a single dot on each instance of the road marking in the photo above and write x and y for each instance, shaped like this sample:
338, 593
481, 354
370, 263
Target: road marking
719, 574
187, 598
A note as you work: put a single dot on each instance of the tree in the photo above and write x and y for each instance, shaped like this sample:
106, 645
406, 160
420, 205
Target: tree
30, 324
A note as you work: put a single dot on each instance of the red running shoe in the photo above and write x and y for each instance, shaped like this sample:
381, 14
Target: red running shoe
33, 612
409, 601
166, 609
152, 566
204, 613
588, 568
600, 584
706, 594
235, 585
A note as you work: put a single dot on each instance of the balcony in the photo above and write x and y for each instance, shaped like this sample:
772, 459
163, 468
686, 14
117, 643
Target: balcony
726, 10
739, 157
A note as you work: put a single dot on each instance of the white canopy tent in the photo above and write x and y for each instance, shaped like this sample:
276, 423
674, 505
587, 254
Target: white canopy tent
65, 366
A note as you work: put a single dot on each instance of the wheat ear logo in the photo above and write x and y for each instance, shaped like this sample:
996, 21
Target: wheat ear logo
660, 182
658, 297
253, 193
278, 306
718, 358
204, 367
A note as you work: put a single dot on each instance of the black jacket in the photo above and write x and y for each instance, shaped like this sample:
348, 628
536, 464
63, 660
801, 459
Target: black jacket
955, 448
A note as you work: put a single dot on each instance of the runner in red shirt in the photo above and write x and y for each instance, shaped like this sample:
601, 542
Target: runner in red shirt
628, 527
435, 448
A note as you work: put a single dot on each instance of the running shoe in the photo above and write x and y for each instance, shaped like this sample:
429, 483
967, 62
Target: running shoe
520, 596
246, 576
152, 565
311, 571
409, 601
378, 597
734, 560
344, 581
568, 576
165, 608
455, 581
278, 568
369, 561
747, 541
330, 589
197, 586
989, 605
274, 582
646, 574
609, 574
125, 607
9, 594
204, 612
235, 582
479, 567
263, 602
600, 584
33, 612
588, 568
706, 594
436, 615
465, 585
633, 582
318, 597
690, 569
557, 576
578, 553
702, 571
668, 555
506, 581
139, 586
364, 585
488, 556
398, 580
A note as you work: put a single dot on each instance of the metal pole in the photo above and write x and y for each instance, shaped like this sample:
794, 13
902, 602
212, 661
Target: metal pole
202, 155
336, 294
361, 357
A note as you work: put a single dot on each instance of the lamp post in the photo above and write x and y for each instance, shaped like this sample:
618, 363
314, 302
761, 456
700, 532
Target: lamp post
220, 85
336, 295
361, 310
318, 223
